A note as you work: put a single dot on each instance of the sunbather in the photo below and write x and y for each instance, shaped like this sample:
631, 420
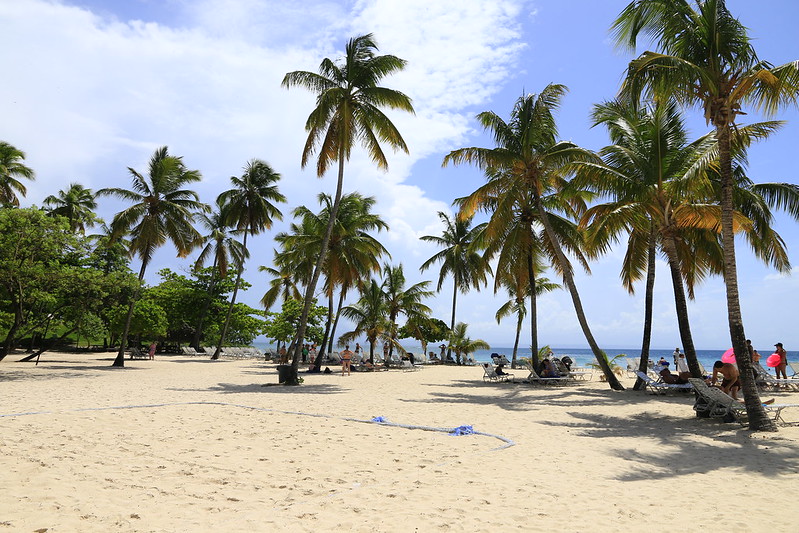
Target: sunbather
674, 379
548, 370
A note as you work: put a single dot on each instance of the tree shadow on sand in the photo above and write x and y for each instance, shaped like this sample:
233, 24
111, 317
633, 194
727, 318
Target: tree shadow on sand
271, 388
688, 445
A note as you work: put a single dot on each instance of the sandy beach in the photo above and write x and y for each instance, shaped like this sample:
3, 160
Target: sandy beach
186, 444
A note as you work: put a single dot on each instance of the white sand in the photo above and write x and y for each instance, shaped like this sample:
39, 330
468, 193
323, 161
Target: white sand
243, 458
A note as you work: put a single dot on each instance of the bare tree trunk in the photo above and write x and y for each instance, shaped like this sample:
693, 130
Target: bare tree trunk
452, 320
335, 320
533, 312
670, 248
758, 419
223, 336
311, 288
123, 342
643, 365
568, 280
516, 340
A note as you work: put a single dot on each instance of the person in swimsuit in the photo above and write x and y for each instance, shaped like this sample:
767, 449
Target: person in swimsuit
730, 383
780, 368
346, 359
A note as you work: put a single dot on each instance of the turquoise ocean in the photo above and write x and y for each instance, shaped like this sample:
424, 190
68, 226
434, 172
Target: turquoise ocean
581, 356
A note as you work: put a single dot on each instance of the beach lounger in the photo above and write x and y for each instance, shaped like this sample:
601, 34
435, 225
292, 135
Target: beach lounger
658, 387
765, 379
490, 374
135, 353
407, 366
795, 369
500, 359
574, 374
718, 404
535, 378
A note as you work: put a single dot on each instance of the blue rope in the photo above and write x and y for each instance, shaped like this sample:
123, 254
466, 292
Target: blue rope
460, 430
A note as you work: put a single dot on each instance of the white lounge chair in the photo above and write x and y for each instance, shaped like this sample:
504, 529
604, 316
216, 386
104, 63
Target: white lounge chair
535, 378
716, 403
490, 374
765, 378
576, 375
658, 387
407, 366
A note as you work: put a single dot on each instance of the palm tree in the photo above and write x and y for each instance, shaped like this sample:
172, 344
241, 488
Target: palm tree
518, 289
76, 204
283, 285
348, 110
528, 155
369, 315
706, 59
12, 168
162, 210
250, 208
459, 258
460, 343
224, 249
402, 300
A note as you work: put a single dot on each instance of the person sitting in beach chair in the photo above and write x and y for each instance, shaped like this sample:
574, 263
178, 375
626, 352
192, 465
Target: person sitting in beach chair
674, 379
548, 370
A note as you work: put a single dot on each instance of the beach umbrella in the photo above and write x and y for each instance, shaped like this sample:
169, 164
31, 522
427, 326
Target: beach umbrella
773, 360
728, 357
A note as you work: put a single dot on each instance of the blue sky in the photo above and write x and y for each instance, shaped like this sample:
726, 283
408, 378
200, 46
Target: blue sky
93, 87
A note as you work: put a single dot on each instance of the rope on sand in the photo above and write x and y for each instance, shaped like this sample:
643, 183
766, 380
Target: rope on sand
379, 420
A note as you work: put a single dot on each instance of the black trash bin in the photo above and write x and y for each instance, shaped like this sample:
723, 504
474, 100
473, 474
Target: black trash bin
284, 373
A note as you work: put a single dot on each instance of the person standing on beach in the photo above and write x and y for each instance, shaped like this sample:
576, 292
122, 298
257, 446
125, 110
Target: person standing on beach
357, 349
676, 355
783, 364
346, 359
152, 351
682, 364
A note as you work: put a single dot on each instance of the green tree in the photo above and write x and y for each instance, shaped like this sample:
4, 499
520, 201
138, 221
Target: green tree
282, 326
461, 343
425, 329
401, 300
705, 58
162, 210
76, 204
349, 99
249, 207
220, 245
459, 258
369, 315
12, 169
529, 155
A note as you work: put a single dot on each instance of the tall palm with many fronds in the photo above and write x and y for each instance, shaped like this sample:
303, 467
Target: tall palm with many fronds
347, 111
12, 169
162, 211
705, 58
250, 208
76, 204
459, 257
403, 300
529, 156
219, 244
283, 285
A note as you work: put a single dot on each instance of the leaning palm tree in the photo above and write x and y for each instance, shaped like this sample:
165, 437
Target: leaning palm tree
528, 155
705, 58
162, 210
459, 258
403, 300
76, 204
250, 208
349, 99
460, 343
11, 169
220, 245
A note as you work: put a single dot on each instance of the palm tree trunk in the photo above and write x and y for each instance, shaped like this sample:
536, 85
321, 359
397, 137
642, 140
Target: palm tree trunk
533, 311
568, 280
758, 419
311, 288
670, 248
328, 327
643, 365
452, 320
123, 342
195, 343
335, 320
223, 336
516, 340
